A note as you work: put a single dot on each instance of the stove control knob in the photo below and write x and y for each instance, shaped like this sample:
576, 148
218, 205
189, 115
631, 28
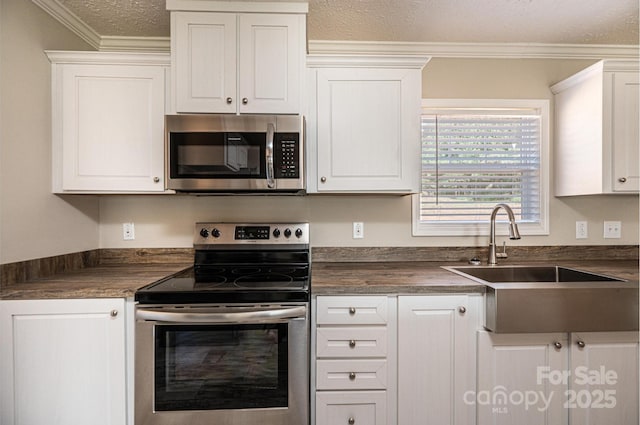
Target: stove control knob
215, 233
298, 232
276, 233
287, 232
204, 233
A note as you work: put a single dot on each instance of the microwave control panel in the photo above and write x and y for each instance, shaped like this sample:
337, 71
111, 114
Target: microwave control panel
287, 155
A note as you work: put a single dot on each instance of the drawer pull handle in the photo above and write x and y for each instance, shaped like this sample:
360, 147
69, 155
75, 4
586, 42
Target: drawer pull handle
622, 179
114, 313
462, 309
351, 420
352, 311
581, 344
557, 344
352, 343
352, 376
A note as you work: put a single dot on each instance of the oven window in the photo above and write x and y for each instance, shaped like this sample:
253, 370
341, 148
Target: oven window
210, 367
217, 155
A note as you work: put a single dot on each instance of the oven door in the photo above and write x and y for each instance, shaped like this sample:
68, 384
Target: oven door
218, 364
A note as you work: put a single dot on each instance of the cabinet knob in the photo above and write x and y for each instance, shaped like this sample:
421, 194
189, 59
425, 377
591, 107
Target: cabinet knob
557, 344
622, 179
114, 313
462, 309
581, 344
352, 343
323, 179
156, 179
352, 311
352, 376
351, 420
229, 100
245, 100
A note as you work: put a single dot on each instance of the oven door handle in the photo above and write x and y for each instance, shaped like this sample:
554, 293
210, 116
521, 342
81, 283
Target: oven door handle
257, 316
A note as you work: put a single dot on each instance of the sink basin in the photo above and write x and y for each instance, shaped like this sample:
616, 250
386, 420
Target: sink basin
530, 274
550, 298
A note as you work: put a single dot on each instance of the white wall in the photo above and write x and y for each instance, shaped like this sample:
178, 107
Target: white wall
33, 222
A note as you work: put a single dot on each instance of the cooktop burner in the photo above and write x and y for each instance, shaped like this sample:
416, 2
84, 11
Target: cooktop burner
236, 263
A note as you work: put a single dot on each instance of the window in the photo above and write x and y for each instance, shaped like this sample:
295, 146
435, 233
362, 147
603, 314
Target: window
476, 154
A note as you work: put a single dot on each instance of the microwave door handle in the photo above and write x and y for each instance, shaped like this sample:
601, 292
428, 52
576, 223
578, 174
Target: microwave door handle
258, 316
271, 183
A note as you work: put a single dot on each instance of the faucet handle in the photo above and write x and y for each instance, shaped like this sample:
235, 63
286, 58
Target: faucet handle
503, 254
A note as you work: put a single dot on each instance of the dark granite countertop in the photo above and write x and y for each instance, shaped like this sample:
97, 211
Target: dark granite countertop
328, 278
102, 281
428, 277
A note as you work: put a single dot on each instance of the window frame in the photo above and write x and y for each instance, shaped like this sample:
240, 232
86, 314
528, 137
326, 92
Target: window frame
420, 228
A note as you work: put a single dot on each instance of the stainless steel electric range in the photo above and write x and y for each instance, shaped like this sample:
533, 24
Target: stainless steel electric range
228, 340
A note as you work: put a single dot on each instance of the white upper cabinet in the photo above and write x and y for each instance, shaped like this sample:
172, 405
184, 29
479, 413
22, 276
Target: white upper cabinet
596, 135
363, 132
108, 121
225, 60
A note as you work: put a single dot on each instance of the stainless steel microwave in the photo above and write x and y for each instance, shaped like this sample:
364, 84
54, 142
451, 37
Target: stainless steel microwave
234, 153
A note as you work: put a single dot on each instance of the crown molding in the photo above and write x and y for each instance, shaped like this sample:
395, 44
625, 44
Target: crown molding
71, 21
369, 48
476, 50
110, 58
147, 44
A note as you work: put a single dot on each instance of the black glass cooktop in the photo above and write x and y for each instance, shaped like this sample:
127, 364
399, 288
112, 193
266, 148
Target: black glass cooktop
230, 284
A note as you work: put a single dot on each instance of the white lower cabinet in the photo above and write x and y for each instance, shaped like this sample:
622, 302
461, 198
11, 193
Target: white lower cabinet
539, 379
355, 360
604, 384
436, 359
352, 408
63, 362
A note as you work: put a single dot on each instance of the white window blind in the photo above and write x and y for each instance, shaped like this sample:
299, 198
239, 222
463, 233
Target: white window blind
475, 158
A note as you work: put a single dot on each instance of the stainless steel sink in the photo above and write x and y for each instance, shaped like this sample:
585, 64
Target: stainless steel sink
497, 274
550, 298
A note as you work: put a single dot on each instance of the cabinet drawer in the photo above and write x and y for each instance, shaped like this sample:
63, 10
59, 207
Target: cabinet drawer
351, 374
352, 310
351, 342
355, 407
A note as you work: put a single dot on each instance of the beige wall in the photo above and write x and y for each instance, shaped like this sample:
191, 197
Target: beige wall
165, 221
33, 222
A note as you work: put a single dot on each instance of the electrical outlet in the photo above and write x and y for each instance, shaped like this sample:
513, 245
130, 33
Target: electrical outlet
358, 230
128, 232
582, 230
612, 230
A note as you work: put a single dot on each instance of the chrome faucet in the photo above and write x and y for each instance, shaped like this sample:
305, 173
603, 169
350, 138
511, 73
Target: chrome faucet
513, 231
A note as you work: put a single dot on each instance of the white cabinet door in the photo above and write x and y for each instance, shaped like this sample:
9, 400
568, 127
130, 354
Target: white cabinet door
204, 62
271, 63
349, 408
604, 386
108, 126
435, 360
63, 362
597, 124
624, 132
238, 63
516, 377
352, 310
368, 130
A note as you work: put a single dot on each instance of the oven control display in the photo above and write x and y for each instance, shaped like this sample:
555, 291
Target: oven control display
252, 232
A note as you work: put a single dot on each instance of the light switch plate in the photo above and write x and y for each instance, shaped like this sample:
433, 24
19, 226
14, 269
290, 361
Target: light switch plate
582, 230
128, 232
